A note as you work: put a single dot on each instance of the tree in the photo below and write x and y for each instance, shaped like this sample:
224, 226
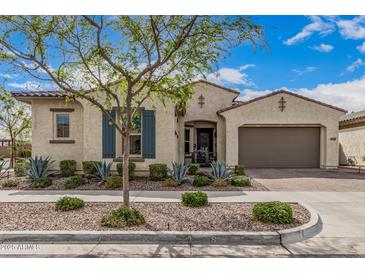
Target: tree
14, 120
122, 60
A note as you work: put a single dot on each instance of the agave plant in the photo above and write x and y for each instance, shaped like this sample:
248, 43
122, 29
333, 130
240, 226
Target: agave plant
220, 170
103, 170
39, 167
178, 172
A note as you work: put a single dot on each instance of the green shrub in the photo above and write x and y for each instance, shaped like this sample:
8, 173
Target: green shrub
240, 181
89, 168
21, 167
194, 199
26, 153
193, 168
158, 172
114, 181
67, 167
9, 183
200, 180
131, 168
220, 183
69, 203
239, 170
273, 212
74, 182
41, 182
123, 216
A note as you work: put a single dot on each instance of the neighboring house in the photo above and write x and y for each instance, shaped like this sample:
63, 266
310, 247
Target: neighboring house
352, 138
281, 129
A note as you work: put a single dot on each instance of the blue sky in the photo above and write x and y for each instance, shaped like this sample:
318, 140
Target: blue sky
317, 56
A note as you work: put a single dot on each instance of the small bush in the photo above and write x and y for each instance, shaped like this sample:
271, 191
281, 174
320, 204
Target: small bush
114, 182
240, 181
89, 168
69, 203
67, 167
194, 199
9, 183
220, 183
123, 216
41, 182
74, 182
21, 167
170, 183
273, 212
193, 168
239, 170
131, 168
26, 153
158, 172
200, 180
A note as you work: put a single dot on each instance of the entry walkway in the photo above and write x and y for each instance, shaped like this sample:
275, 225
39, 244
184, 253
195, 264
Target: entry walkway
342, 213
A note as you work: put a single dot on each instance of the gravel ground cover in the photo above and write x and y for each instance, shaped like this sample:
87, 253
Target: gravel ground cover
140, 183
158, 216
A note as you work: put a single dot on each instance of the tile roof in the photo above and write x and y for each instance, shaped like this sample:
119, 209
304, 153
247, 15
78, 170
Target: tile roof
353, 116
36, 94
242, 103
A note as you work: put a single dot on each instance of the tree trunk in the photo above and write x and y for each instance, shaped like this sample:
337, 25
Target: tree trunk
12, 153
126, 148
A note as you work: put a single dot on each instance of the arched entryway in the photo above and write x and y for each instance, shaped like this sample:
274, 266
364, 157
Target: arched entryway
200, 141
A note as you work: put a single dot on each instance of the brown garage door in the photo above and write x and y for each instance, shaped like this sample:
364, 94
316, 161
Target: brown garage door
279, 147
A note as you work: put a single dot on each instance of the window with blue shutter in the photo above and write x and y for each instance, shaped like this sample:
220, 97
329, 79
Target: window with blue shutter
108, 136
148, 134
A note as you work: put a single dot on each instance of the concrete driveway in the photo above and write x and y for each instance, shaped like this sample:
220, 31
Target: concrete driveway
343, 180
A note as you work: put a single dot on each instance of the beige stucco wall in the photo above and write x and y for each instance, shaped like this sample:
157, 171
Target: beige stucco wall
297, 112
43, 130
352, 145
215, 99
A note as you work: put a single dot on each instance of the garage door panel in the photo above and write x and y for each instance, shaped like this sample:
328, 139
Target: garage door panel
279, 147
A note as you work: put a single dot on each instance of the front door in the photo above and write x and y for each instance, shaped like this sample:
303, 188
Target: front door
204, 142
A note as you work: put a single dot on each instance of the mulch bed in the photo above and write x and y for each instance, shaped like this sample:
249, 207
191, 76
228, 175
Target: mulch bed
158, 216
139, 183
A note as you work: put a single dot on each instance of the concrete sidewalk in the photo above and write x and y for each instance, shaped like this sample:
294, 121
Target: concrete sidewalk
342, 213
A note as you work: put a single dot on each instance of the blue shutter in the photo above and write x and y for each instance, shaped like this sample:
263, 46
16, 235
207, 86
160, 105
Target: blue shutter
108, 136
148, 134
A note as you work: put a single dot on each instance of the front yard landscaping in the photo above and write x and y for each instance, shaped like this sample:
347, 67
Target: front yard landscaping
157, 217
139, 183
96, 175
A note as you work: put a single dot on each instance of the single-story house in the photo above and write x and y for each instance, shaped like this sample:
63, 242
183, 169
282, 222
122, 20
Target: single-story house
352, 139
279, 130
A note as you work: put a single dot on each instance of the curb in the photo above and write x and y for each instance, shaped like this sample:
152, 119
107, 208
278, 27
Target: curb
303, 232
313, 227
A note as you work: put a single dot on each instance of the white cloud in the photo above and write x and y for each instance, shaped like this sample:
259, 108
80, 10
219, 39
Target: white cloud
7, 75
348, 95
355, 65
352, 29
232, 76
317, 25
361, 47
322, 48
300, 72
32, 85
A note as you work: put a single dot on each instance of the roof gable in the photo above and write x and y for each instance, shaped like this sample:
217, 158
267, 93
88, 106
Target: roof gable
243, 103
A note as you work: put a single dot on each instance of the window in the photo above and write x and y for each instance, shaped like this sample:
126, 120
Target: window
187, 141
63, 125
136, 136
